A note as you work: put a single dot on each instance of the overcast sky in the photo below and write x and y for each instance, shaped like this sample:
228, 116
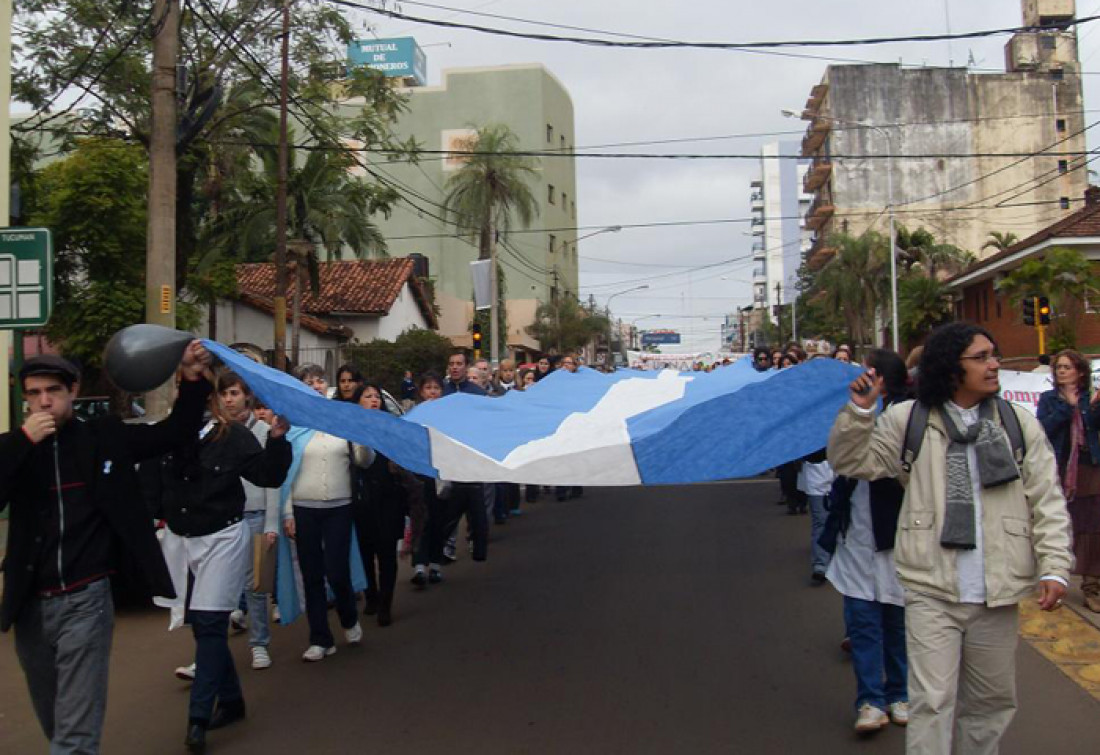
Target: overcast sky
624, 95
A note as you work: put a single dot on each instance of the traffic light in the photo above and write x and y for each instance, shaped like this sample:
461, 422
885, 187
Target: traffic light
1044, 310
1029, 311
477, 336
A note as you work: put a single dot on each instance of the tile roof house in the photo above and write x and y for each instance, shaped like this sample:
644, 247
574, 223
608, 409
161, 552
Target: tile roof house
978, 301
358, 299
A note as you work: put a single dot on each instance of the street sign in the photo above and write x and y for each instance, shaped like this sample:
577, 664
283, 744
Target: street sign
26, 277
651, 337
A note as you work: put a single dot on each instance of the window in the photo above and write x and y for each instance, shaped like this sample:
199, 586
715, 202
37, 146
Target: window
553, 243
1064, 202
564, 201
549, 134
1057, 74
573, 205
1048, 42
1060, 125
550, 193
1063, 166
563, 142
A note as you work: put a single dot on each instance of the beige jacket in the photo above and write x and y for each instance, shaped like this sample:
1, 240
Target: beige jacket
1024, 523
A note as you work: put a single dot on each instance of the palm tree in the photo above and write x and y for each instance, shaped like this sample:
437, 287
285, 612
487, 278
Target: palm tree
327, 208
923, 303
853, 281
1000, 241
920, 252
487, 193
566, 325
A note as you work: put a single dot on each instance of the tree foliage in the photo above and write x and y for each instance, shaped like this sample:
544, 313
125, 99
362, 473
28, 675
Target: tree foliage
999, 241
93, 201
490, 191
565, 325
385, 362
1063, 275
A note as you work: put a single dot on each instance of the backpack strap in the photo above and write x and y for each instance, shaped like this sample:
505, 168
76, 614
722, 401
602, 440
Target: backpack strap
914, 434
1011, 424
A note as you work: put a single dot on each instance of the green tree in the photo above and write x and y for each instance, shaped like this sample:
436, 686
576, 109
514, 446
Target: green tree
920, 252
1063, 275
852, 282
385, 362
999, 241
565, 325
923, 303
93, 201
487, 194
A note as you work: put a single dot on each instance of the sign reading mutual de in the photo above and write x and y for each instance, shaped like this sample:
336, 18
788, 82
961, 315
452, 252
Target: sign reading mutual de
400, 57
654, 337
26, 277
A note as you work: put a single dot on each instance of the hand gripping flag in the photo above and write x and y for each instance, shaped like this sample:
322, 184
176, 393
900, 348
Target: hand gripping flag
588, 428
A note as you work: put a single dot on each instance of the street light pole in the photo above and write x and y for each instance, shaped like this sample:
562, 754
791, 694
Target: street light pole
607, 306
889, 206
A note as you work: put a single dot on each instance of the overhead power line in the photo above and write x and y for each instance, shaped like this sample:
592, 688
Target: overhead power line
650, 44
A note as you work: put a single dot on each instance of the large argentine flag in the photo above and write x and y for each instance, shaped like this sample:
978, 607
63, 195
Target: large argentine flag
588, 428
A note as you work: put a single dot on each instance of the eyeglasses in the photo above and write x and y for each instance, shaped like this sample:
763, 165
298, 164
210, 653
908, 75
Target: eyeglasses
983, 356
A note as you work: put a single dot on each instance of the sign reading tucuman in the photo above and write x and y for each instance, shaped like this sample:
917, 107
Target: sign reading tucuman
26, 277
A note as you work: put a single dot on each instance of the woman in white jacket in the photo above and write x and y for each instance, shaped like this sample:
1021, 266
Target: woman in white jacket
321, 525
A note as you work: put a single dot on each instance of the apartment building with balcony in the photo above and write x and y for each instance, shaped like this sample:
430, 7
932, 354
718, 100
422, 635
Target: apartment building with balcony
778, 206
972, 152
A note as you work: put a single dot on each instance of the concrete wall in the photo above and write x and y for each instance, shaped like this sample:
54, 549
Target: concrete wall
939, 111
526, 98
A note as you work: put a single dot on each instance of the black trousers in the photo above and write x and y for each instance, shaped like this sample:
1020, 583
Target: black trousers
434, 537
324, 553
378, 547
468, 498
215, 675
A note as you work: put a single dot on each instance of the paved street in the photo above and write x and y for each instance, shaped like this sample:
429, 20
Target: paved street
658, 620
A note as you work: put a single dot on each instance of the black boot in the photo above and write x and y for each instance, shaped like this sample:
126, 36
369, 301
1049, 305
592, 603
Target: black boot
227, 712
196, 737
384, 617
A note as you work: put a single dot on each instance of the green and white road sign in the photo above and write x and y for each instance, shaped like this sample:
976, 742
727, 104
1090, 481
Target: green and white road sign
26, 277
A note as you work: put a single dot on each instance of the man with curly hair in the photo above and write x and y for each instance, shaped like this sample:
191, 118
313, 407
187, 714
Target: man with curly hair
979, 526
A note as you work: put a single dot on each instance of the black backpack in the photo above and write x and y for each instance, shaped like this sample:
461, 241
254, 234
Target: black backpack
918, 422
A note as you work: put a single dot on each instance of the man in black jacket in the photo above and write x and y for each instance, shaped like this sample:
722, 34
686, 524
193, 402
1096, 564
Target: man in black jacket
77, 517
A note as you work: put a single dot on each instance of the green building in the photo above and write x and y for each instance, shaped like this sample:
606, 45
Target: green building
539, 263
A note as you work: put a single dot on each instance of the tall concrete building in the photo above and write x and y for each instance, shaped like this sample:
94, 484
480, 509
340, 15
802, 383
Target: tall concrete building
538, 266
780, 237
1030, 115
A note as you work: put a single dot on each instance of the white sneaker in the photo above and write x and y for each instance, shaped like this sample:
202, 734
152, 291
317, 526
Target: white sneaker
275, 615
354, 635
870, 719
237, 621
186, 673
899, 713
317, 653
261, 659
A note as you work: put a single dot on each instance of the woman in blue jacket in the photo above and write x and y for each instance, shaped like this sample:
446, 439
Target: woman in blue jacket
1072, 421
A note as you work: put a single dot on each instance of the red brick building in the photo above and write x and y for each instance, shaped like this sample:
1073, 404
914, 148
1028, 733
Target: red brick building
977, 300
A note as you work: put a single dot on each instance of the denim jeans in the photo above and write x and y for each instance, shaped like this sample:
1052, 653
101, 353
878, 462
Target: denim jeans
324, 553
877, 633
819, 557
64, 647
259, 629
215, 675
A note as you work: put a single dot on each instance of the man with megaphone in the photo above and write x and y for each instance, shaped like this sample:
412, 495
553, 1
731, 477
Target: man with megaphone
77, 517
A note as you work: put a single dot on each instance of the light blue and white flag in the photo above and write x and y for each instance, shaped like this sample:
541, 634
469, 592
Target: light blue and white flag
588, 428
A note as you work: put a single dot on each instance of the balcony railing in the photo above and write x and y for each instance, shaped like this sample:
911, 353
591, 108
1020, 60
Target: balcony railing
819, 254
815, 135
817, 97
820, 212
817, 175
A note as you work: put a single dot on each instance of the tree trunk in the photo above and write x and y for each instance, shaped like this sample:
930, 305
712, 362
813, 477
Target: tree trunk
296, 324
160, 255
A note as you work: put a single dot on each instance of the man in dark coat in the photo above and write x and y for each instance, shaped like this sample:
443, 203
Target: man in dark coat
77, 517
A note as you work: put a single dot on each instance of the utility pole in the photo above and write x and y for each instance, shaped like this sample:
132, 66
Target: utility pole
494, 309
160, 245
5, 184
279, 336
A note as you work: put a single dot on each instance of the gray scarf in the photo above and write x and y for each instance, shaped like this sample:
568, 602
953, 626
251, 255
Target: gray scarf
995, 467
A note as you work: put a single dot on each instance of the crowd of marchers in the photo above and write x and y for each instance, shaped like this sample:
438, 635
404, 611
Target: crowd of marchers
935, 509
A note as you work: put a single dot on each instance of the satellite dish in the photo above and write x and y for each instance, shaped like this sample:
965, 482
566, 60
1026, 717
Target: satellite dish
142, 357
